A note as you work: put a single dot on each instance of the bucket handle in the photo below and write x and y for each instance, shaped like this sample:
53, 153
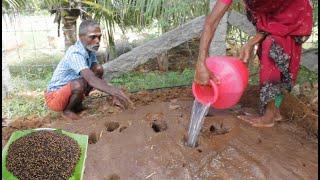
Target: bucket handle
215, 90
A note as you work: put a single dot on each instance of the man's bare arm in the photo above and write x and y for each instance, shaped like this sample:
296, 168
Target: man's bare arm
102, 85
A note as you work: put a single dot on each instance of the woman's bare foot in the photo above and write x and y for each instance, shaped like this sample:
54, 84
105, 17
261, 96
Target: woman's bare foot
263, 121
70, 115
256, 121
278, 116
271, 115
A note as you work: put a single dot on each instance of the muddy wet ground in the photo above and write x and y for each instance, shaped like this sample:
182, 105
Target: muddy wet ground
148, 142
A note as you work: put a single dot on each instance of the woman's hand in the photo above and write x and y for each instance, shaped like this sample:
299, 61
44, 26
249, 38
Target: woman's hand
203, 75
246, 52
247, 49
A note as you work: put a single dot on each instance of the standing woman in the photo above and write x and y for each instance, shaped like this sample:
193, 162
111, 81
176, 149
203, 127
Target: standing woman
281, 28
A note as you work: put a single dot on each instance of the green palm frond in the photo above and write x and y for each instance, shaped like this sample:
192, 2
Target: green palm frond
13, 4
142, 13
55, 2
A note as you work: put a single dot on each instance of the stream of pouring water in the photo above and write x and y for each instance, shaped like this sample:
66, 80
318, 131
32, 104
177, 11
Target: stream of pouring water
198, 112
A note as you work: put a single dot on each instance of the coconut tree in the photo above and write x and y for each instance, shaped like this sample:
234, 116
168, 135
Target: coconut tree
67, 12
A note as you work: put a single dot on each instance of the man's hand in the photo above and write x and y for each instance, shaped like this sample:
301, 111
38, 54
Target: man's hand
101, 85
119, 98
203, 75
116, 102
246, 52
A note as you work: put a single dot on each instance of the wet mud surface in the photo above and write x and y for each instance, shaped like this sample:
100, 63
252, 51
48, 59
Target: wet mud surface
148, 142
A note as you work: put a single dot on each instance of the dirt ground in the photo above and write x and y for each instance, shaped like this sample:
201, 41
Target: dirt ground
148, 142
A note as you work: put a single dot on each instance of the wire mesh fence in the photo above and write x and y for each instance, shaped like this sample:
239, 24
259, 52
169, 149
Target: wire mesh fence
32, 49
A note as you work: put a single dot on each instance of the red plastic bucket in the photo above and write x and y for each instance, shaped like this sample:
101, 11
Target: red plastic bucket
233, 75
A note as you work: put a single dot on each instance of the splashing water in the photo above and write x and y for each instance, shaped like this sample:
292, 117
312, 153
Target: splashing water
198, 112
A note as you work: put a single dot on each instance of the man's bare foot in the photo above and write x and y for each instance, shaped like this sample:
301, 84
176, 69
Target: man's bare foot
70, 115
79, 108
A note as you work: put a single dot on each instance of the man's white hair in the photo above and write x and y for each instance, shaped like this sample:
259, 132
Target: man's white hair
83, 28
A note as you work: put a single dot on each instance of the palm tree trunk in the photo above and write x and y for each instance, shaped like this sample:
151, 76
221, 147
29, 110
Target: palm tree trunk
69, 21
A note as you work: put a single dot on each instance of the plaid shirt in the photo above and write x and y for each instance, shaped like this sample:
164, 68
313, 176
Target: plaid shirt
76, 59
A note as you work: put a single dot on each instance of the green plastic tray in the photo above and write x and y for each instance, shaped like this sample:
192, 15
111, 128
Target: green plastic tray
81, 139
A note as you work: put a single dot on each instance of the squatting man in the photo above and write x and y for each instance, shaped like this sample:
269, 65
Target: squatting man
78, 73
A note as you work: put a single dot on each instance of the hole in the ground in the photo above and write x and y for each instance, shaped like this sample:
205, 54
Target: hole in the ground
159, 126
93, 138
212, 128
219, 129
199, 150
259, 140
113, 177
111, 126
155, 127
122, 128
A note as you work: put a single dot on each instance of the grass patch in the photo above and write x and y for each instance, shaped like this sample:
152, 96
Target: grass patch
27, 97
306, 75
135, 81
24, 105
